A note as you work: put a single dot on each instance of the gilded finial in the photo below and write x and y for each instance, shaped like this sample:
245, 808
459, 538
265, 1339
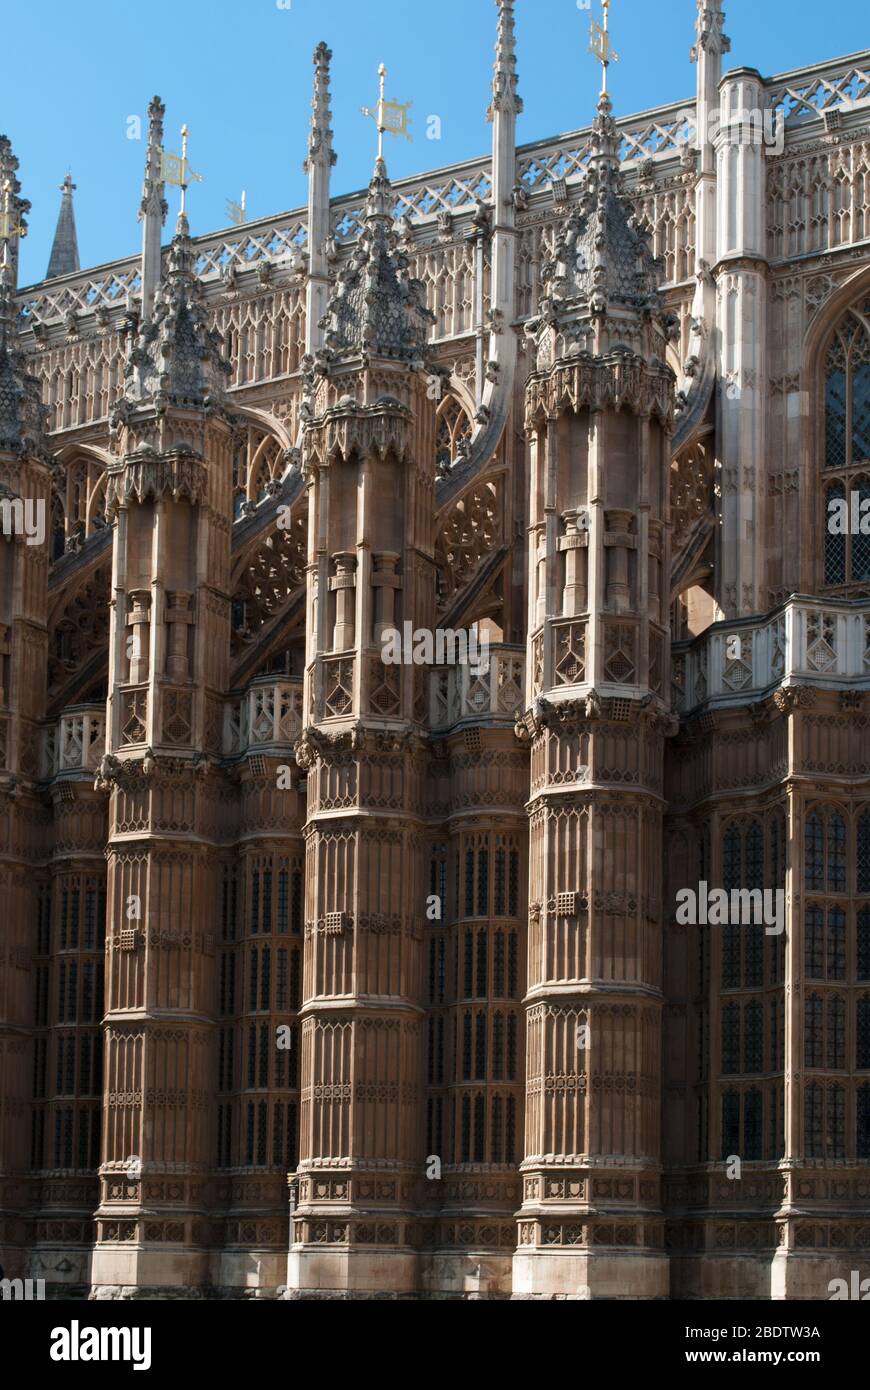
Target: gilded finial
599, 44
390, 117
175, 169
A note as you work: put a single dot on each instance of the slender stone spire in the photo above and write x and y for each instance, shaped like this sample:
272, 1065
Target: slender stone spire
64, 257
492, 389
18, 206
710, 29
376, 310
710, 44
153, 208
22, 414
504, 79
321, 158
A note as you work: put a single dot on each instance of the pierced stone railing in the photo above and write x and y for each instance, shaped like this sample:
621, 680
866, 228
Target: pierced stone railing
268, 714
468, 692
76, 742
806, 641
808, 93
277, 240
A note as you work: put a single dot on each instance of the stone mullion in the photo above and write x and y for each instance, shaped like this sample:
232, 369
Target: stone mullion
163, 1203
63, 1226
570, 1192
355, 1206
476, 1193
255, 1200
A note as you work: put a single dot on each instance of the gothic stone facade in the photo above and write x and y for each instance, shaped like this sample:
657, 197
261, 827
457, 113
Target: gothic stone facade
593, 395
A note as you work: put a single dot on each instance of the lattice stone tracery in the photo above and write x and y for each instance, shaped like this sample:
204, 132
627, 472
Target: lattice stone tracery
471, 531
270, 578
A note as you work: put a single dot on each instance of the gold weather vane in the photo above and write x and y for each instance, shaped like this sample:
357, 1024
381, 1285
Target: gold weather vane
8, 227
599, 44
175, 169
237, 210
390, 117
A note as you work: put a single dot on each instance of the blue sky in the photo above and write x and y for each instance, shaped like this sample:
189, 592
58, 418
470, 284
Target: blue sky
240, 75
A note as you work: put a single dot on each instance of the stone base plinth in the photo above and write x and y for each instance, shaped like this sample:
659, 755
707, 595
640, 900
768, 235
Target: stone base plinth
580, 1274
350, 1273
466, 1274
138, 1271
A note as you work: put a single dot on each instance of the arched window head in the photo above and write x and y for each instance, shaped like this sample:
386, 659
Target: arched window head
258, 466
452, 434
846, 461
78, 501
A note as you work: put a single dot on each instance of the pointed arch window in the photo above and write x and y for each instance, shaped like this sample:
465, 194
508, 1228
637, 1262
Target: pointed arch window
452, 433
846, 464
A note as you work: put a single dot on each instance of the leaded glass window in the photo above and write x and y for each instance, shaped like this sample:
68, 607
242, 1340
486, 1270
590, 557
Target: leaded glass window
825, 851
813, 1118
847, 449
863, 853
836, 953
754, 857
753, 971
730, 956
835, 542
836, 1034
752, 1125
814, 853
753, 1038
777, 851
836, 854
731, 859
730, 1123
813, 1029
730, 1039
862, 1032
836, 1122
862, 1137
863, 944
813, 933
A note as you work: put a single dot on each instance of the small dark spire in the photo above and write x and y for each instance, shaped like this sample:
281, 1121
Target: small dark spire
65, 248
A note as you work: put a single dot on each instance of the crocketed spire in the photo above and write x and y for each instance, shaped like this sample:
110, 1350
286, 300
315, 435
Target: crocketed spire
18, 206
601, 287
504, 74
22, 414
175, 358
710, 29
602, 258
320, 134
376, 309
